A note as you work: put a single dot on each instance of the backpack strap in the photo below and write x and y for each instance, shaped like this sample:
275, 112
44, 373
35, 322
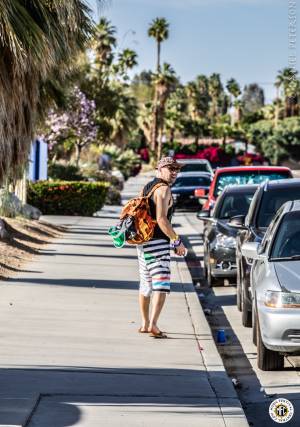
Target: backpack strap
160, 184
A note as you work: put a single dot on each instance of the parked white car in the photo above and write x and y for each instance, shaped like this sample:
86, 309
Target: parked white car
195, 165
275, 288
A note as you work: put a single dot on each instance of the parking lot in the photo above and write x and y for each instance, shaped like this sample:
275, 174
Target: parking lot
256, 389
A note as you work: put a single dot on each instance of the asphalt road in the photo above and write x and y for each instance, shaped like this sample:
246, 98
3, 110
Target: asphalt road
257, 389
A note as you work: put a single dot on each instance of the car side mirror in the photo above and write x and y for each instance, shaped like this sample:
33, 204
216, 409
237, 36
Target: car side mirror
260, 249
237, 221
250, 250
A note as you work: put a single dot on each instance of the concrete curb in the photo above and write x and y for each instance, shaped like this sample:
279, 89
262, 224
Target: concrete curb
226, 395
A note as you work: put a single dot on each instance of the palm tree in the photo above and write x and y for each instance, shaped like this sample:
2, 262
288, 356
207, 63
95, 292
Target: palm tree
105, 41
234, 90
127, 60
145, 120
287, 82
37, 42
197, 92
159, 30
204, 98
175, 110
193, 97
124, 120
215, 89
202, 83
222, 128
238, 111
165, 82
279, 108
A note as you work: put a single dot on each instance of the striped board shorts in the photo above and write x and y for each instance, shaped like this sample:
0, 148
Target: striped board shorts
154, 266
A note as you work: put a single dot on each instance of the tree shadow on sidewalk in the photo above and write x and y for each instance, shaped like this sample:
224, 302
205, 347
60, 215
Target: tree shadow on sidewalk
87, 283
68, 393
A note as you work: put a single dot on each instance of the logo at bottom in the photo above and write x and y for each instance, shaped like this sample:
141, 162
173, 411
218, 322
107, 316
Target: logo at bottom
281, 410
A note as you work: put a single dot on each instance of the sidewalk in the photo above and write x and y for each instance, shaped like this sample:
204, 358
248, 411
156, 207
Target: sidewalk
70, 353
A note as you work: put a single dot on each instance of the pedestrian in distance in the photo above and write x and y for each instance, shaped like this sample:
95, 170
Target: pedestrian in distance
154, 255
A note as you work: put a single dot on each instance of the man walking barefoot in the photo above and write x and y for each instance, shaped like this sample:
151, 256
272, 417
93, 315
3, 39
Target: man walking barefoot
154, 255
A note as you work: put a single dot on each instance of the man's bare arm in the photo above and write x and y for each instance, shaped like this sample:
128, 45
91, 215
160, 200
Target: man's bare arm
162, 198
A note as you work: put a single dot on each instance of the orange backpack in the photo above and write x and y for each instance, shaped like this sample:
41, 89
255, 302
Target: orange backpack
138, 209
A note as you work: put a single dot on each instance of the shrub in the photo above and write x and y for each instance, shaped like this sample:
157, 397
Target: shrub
91, 171
113, 197
64, 172
67, 198
127, 161
277, 143
216, 156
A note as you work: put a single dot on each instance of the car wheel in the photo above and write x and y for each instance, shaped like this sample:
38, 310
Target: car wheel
246, 310
238, 300
211, 281
238, 289
267, 360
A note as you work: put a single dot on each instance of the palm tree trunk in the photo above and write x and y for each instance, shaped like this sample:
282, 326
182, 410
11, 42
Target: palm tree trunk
246, 146
154, 127
232, 111
78, 148
286, 108
159, 146
21, 187
224, 142
214, 110
161, 116
158, 58
172, 135
276, 116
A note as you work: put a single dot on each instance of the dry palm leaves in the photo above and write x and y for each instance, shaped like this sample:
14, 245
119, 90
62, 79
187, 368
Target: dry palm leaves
38, 38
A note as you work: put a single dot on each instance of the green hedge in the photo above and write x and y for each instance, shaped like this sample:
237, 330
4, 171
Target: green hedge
67, 197
58, 171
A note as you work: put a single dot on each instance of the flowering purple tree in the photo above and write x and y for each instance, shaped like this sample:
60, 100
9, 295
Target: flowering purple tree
76, 125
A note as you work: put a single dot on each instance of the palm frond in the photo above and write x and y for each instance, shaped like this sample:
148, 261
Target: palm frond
38, 39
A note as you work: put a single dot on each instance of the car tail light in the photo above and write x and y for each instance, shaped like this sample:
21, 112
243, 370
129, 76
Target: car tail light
200, 192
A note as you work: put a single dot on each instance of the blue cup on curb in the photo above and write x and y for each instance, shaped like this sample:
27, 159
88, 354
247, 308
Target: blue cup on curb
221, 338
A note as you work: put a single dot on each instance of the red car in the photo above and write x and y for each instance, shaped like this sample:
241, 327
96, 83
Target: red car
240, 175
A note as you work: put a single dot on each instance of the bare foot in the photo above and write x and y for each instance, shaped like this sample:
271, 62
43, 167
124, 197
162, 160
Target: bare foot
144, 327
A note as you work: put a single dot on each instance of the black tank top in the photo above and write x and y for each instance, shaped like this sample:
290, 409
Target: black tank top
158, 233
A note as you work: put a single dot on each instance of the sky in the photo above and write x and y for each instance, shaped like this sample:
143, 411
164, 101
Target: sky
243, 39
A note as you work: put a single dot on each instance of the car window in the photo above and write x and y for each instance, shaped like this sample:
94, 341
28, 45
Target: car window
287, 239
195, 167
269, 232
271, 201
247, 177
252, 207
235, 204
192, 181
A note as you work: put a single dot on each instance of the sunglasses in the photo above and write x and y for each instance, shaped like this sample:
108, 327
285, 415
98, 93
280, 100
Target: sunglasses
173, 169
